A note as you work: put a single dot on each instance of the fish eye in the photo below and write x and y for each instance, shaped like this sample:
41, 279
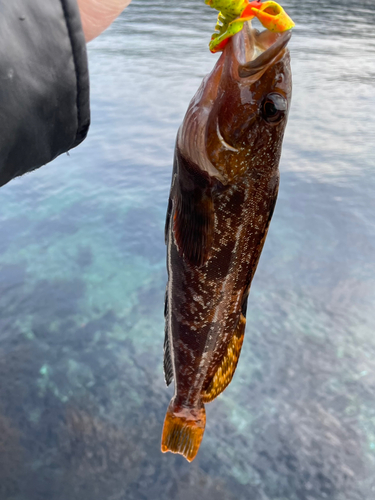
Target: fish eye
274, 108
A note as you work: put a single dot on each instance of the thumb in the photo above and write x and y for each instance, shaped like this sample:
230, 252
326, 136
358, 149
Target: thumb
97, 15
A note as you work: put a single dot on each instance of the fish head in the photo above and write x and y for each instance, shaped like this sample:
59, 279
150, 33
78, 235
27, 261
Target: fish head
235, 123
246, 125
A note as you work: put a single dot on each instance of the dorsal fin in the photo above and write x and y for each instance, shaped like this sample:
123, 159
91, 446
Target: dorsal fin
224, 374
170, 201
168, 367
193, 211
167, 363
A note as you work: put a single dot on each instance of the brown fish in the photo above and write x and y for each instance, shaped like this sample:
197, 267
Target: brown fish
224, 188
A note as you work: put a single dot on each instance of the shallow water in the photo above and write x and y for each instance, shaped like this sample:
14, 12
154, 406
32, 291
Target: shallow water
82, 277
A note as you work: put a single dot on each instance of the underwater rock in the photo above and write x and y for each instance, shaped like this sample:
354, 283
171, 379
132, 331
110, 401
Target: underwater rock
304, 452
101, 458
11, 455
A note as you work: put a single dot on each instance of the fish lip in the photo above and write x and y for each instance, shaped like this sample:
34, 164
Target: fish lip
266, 58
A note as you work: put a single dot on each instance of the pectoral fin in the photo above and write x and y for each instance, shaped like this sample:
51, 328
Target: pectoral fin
225, 372
193, 212
193, 223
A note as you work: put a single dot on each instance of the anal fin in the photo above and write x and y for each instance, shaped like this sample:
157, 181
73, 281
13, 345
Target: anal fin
224, 374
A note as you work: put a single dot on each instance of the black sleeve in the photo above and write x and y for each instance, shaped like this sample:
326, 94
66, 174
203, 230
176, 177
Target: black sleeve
44, 84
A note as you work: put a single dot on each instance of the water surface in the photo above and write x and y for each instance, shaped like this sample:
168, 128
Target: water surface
82, 278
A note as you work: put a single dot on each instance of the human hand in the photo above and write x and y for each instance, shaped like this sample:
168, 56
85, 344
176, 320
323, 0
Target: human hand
97, 15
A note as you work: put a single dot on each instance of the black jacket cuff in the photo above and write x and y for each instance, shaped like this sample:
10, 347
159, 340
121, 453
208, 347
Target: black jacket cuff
44, 83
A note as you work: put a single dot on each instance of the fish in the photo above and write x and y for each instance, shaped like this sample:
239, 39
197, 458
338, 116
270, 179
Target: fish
223, 192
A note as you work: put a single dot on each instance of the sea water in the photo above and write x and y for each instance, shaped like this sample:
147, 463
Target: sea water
82, 280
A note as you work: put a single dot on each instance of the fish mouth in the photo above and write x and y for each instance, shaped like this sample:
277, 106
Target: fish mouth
255, 51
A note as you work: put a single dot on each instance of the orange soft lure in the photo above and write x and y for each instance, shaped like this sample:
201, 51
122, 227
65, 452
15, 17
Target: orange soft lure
234, 13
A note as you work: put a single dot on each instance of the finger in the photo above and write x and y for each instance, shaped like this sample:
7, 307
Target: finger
97, 15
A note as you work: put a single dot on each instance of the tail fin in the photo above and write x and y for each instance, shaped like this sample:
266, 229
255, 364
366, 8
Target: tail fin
183, 430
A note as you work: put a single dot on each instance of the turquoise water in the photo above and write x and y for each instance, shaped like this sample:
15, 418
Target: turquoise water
82, 278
